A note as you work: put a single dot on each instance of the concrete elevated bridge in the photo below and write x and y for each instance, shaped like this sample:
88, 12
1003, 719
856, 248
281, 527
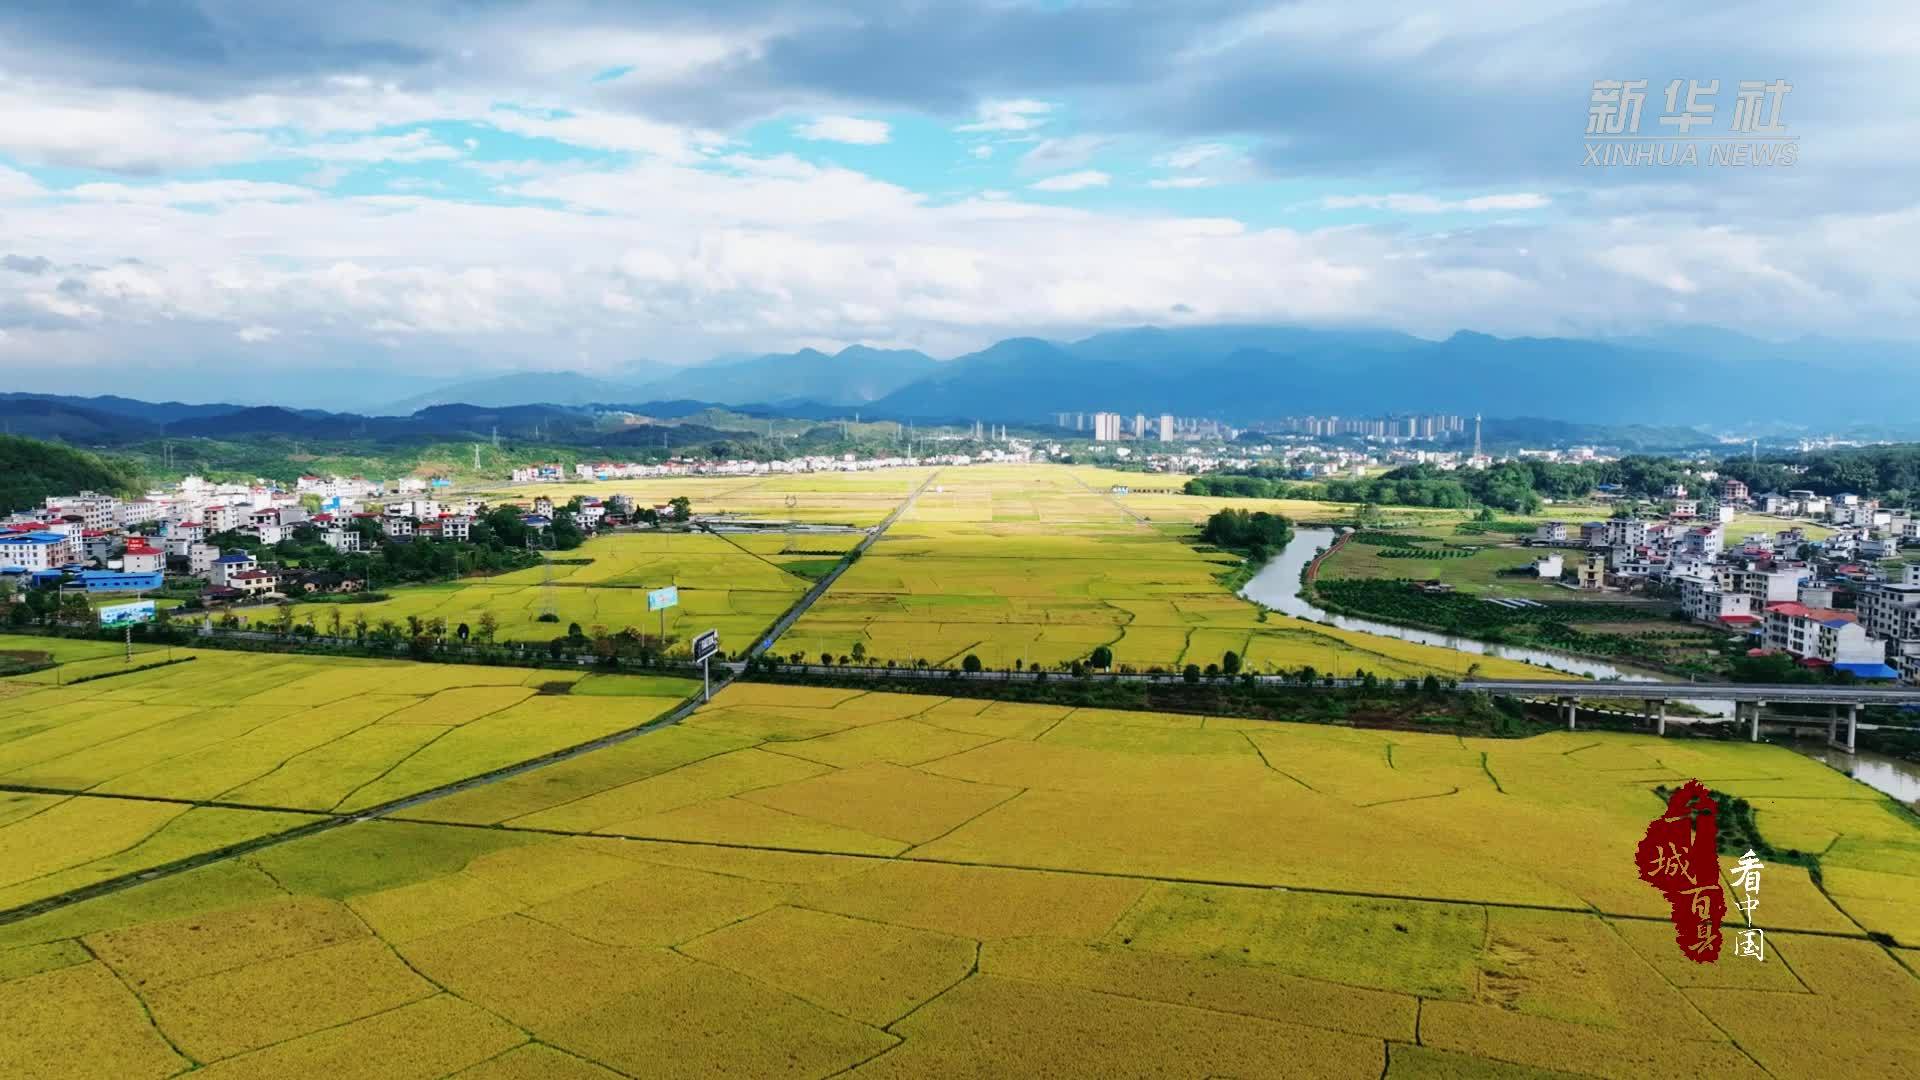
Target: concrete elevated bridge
1748, 700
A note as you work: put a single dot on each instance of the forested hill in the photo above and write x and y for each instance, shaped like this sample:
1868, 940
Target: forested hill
31, 470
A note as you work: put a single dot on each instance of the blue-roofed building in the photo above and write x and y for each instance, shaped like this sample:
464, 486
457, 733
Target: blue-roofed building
1868, 670
118, 581
36, 550
231, 565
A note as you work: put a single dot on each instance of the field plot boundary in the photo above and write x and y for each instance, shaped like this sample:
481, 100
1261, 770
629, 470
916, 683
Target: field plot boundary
792, 615
329, 819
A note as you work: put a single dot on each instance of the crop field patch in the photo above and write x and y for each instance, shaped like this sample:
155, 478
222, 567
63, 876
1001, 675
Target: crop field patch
869, 971
885, 800
227, 1013
81, 841
81, 1021
1034, 568
991, 1026
534, 974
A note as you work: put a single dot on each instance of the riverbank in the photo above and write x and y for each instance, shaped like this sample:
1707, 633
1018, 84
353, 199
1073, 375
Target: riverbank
1281, 586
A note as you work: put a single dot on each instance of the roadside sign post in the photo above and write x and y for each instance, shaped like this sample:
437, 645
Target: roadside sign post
660, 600
704, 647
125, 615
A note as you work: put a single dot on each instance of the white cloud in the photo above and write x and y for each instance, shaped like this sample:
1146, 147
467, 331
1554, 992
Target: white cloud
191, 193
845, 129
606, 131
981, 152
15, 184
1070, 152
256, 335
1020, 114
117, 130
412, 146
1074, 181
1188, 157
1183, 182
1428, 204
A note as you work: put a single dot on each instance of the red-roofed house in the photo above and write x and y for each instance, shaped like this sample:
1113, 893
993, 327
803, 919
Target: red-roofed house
1824, 634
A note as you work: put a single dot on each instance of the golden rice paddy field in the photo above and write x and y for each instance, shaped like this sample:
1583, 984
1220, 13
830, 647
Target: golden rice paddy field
1039, 565
811, 883
115, 775
736, 584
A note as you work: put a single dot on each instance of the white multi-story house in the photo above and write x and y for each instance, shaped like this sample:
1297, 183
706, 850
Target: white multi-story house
36, 550
1705, 601
254, 583
344, 541
1835, 637
95, 511
1625, 532
200, 559
1707, 541
1772, 585
1553, 532
1892, 610
139, 558
1877, 546
227, 567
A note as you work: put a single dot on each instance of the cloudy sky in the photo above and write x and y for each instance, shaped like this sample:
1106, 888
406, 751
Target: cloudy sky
234, 199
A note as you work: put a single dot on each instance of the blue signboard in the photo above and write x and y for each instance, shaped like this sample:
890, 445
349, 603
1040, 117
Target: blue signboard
127, 614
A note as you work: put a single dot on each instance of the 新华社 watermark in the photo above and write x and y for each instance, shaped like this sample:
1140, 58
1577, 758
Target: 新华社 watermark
1754, 134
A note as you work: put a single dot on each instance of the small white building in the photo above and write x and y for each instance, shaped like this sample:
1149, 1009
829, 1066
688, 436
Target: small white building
229, 566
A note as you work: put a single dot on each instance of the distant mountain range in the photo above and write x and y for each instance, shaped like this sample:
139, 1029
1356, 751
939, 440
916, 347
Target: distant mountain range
853, 376
1683, 378
1250, 373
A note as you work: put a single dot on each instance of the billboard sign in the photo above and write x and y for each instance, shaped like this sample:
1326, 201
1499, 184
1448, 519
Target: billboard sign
706, 645
662, 599
116, 615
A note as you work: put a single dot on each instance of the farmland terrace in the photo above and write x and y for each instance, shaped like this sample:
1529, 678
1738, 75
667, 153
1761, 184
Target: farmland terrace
812, 882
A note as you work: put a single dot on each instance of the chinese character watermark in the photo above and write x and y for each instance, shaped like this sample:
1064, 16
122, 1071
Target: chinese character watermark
1756, 134
1679, 857
1746, 881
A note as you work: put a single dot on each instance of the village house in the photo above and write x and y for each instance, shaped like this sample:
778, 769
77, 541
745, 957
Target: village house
1826, 636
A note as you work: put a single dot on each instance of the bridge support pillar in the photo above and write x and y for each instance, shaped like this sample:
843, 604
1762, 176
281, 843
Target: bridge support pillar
1757, 706
1833, 725
1853, 725
1570, 707
1660, 717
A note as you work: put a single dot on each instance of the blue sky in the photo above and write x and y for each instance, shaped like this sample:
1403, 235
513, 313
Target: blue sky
205, 196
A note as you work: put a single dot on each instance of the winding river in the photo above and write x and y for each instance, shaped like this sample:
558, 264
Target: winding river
1277, 585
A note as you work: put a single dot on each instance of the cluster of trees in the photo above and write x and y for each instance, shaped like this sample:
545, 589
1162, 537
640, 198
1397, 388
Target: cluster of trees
1253, 531
1888, 473
31, 470
47, 607
1249, 485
